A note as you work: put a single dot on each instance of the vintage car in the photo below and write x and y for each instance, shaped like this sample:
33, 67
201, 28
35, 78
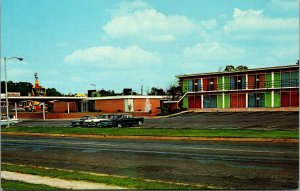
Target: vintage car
95, 122
8, 121
121, 120
81, 121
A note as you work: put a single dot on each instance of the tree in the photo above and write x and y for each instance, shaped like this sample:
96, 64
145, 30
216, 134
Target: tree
107, 92
52, 92
241, 68
157, 91
175, 92
231, 68
23, 87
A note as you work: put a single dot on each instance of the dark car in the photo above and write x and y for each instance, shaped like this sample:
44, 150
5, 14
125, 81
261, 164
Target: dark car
81, 121
121, 120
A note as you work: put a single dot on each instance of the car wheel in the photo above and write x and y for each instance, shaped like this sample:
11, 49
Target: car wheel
119, 125
140, 123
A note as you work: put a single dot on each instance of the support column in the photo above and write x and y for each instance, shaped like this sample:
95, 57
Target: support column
247, 100
44, 115
16, 110
68, 107
201, 100
272, 98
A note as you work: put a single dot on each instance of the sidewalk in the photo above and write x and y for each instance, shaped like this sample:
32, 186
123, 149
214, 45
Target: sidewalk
55, 182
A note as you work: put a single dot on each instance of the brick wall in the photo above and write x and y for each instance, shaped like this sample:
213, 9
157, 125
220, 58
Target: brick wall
61, 106
111, 106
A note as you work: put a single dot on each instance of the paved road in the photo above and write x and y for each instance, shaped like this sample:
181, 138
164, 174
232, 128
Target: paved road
237, 120
222, 164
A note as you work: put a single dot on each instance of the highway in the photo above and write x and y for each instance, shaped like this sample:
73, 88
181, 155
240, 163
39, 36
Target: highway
227, 165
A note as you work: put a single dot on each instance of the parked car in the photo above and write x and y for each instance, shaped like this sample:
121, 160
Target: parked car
81, 121
8, 121
18, 109
121, 120
95, 122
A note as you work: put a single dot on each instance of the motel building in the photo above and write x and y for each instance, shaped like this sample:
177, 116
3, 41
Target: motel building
74, 107
272, 88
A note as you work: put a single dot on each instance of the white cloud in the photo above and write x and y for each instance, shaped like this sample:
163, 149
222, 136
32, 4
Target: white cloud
112, 56
149, 24
285, 5
213, 51
254, 20
128, 7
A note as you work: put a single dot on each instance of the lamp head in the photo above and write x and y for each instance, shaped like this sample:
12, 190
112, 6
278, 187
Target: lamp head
20, 59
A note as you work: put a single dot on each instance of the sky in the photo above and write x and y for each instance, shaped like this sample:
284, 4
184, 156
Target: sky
116, 44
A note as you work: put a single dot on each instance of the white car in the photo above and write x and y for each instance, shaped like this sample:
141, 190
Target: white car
8, 121
93, 122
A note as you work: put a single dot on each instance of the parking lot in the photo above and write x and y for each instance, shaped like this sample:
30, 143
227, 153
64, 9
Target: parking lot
235, 120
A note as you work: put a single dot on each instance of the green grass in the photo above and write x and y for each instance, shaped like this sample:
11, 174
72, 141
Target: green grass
235, 133
16, 185
126, 182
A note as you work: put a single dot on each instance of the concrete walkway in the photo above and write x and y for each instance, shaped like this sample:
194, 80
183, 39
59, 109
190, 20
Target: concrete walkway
55, 182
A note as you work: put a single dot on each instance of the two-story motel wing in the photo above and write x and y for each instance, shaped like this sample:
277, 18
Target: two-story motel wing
271, 87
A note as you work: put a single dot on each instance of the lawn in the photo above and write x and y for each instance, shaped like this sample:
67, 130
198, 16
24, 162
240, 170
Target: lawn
16, 185
127, 182
229, 133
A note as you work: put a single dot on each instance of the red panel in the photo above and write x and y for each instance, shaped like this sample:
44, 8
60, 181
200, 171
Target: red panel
261, 78
233, 100
285, 99
294, 99
191, 101
241, 100
197, 101
215, 83
251, 81
205, 84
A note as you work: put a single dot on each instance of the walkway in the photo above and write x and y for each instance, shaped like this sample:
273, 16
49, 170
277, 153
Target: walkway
55, 182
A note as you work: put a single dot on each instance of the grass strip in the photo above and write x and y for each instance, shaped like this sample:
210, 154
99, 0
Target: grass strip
232, 133
127, 182
17, 185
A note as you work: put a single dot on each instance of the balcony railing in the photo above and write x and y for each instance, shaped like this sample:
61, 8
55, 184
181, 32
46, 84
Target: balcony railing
243, 86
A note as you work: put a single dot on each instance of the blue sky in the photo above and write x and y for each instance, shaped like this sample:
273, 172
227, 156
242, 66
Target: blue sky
118, 44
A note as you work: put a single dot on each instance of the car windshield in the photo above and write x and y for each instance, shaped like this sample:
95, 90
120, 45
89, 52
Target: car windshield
103, 117
84, 117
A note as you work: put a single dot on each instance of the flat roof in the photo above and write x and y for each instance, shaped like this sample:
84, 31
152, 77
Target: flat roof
126, 97
45, 98
243, 71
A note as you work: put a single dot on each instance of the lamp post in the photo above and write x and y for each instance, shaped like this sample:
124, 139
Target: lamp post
5, 75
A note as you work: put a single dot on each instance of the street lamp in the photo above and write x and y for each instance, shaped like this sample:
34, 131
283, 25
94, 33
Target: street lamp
5, 75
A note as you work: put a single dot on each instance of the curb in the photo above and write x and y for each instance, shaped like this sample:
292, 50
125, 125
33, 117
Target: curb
163, 138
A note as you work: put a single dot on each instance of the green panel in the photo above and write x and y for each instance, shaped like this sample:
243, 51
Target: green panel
226, 82
277, 80
268, 99
268, 80
220, 101
295, 79
261, 102
251, 100
276, 99
285, 79
227, 101
185, 102
185, 86
220, 83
